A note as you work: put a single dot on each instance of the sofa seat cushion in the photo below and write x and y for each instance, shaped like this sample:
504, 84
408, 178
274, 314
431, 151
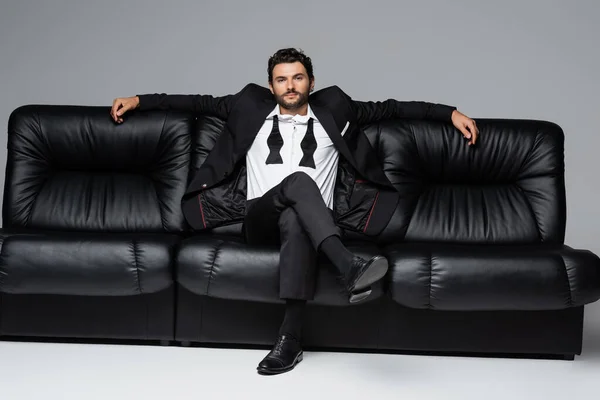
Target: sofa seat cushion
231, 269
469, 277
85, 264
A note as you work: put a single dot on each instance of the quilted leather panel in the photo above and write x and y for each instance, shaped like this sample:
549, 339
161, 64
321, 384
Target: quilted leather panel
507, 189
465, 277
73, 168
86, 264
233, 270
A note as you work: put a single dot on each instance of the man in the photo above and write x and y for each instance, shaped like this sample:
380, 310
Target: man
295, 168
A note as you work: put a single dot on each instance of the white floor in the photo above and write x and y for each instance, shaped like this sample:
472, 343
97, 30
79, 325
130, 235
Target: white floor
87, 372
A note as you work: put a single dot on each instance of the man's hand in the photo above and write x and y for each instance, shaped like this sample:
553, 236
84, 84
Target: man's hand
466, 125
122, 105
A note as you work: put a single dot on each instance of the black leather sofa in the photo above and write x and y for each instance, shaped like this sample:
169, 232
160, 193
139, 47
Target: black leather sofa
94, 245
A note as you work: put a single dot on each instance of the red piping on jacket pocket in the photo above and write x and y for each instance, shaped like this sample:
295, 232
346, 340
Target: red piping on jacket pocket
371, 212
201, 209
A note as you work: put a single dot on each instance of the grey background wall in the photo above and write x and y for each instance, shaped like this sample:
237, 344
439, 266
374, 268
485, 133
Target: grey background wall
503, 59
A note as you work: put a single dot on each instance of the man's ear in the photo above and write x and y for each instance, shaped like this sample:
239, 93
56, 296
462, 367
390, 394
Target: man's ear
271, 88
312, 85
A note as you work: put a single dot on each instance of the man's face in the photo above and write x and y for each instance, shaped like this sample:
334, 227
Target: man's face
291, 85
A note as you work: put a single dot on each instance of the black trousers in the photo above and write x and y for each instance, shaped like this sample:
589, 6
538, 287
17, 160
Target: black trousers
294, 216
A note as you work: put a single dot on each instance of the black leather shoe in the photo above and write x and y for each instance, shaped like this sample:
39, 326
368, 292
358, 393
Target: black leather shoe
363, 273
286, 353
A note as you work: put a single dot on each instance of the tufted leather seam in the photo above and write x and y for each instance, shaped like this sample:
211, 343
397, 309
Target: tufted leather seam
568, 281
137, 269
530, 207
160, 211
414, 136
529, 152
420, 195
41, 186
212, 266
537, 225
485, 215
160, 137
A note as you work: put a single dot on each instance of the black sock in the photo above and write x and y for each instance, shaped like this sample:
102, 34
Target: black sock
294, 316
339, 255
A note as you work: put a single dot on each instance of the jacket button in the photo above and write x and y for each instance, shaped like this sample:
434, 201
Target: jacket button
204, 185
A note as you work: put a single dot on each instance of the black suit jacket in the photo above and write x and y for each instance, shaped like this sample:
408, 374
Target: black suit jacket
246, 111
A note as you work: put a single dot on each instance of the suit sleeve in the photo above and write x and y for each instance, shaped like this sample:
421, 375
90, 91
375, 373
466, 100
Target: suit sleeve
370, 111
195, 103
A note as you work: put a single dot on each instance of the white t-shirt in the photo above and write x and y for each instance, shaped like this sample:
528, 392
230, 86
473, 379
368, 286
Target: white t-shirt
262, 176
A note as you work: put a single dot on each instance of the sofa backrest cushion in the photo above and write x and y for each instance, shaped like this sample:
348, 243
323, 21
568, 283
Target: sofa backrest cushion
73, 168
508, 188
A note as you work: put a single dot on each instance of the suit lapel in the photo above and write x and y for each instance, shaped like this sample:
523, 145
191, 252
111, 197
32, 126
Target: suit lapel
247, 128
366, 166
326, 119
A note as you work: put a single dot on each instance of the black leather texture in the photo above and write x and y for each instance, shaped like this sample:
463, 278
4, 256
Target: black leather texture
71, 168
87, 264
93, 228
508, 189
465, 277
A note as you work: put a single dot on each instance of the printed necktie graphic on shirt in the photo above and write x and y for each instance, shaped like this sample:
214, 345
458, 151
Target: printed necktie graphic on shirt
308, 145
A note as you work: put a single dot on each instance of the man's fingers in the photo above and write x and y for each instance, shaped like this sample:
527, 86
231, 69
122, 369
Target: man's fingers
123, 109
120, 107
465, 132
468, 128
468, 135
116, 104
475, 131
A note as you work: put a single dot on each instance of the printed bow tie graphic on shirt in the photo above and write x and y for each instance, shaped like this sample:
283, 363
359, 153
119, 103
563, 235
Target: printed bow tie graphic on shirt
308, 145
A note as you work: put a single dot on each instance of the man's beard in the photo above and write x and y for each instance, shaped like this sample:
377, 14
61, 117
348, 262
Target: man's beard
301, 100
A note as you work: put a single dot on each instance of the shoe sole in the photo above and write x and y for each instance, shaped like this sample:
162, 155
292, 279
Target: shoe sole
357, 297
376, 271
263, 371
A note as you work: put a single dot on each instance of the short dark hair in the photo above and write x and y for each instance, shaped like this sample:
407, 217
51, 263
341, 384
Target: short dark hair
290, 55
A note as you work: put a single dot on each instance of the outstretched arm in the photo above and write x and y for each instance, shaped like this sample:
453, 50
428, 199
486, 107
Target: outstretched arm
374, 111
370, 111
195, 103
